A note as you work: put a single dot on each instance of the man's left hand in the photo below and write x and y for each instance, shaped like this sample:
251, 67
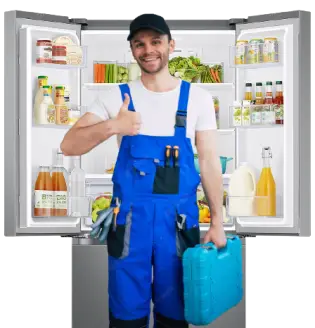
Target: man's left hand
216, 235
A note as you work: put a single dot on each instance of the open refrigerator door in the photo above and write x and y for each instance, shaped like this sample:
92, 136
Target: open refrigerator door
49, 57
270, 117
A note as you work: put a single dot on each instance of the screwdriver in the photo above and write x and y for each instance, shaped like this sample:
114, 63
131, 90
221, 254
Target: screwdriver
176, 156
168, 156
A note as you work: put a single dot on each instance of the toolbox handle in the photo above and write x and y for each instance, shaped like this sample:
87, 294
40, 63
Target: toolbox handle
221, 250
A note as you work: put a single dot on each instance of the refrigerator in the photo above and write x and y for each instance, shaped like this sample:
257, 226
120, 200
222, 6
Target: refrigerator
29, 145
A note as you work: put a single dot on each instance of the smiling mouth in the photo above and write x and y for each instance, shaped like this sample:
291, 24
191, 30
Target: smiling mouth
148, 60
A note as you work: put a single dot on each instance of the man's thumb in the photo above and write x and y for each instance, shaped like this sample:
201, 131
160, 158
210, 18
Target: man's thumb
125, 104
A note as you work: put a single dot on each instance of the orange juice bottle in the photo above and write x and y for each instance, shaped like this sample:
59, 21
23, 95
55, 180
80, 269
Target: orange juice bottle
266, 187
59, 184
43, 193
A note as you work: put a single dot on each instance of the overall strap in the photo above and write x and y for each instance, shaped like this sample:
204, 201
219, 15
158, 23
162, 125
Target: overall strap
181, 114
124, 88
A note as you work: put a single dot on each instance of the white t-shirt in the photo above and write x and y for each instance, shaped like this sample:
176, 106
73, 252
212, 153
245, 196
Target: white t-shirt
158, 109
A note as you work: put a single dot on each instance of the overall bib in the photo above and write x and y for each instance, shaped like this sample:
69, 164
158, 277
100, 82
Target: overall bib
157, 221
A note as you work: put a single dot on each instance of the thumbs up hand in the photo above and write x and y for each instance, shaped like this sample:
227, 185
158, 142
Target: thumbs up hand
128, 122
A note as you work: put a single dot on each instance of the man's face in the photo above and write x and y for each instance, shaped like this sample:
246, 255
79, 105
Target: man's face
151, 50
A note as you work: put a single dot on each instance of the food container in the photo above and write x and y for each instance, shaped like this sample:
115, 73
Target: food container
255, 51
223, 161
44, 51
59, 55
237, 114
241, 52
105, 72
271, 50
122, 73
212, 74
246, 111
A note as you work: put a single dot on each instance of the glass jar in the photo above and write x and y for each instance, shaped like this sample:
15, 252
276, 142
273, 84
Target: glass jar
74, 114
43, 51
59, 55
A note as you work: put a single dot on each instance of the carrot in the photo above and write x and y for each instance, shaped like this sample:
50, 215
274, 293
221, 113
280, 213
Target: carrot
217, 75
95, 73
213, 74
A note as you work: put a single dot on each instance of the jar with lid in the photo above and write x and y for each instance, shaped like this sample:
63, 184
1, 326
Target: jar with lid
74, 114
59, 55
44, 51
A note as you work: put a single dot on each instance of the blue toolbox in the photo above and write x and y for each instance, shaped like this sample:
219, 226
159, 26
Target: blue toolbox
212, 280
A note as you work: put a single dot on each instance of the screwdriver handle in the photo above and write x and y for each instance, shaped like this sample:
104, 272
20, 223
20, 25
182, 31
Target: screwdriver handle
168, 156
176, 156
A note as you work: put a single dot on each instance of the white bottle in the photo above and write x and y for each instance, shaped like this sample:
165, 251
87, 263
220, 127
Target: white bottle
42, 80
242, 190
79, 206
46, 104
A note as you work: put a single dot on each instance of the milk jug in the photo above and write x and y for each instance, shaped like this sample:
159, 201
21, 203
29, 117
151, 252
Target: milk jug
242, 190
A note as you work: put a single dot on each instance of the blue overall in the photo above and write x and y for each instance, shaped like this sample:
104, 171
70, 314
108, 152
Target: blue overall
158, 220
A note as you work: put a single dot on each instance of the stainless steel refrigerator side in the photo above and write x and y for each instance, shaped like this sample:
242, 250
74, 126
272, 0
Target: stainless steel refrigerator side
68, 266
90, 293
2, 95
304, 65
11, 126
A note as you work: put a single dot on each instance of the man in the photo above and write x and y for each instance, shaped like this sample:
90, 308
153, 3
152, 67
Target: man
159, 118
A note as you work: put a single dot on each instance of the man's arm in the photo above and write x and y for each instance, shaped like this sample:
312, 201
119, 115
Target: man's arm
211, 173
87, 133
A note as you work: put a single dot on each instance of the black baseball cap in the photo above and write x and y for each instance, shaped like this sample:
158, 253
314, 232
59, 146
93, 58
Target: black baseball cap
149, 21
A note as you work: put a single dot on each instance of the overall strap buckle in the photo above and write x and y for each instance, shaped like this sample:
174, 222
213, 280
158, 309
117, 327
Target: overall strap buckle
181, 114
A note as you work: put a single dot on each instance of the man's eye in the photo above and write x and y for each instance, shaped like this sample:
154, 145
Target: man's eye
156, 42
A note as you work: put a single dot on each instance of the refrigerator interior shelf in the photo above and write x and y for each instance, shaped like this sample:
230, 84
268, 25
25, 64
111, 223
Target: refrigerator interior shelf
249, 116
76, 59
254, 207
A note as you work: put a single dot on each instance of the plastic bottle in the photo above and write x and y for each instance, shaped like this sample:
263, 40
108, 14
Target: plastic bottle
242, 190
77, 189
45, 107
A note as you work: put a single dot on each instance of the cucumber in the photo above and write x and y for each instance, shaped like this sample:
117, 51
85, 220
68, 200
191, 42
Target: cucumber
106, 73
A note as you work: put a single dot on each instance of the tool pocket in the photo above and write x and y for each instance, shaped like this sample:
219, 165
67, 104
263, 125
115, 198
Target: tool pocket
187, 227
166, 180
118, 239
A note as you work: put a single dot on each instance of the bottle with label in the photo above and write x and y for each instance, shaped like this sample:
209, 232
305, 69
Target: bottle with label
60, 204
46, 107
269, 94
77, 189
278, 101
41, 81
60, 106
248, 92
266, 187
259, 94
43, 193
241, 192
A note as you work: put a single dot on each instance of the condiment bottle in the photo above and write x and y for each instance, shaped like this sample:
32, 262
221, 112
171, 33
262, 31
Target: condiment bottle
259, 94
60, 106
278, 101
248, 92
269, 94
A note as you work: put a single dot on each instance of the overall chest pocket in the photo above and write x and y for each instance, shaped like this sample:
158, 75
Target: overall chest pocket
151, 175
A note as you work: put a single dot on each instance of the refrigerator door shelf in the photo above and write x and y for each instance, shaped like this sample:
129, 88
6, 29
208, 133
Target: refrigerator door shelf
240, 55
73, 115
76, 59
253, 116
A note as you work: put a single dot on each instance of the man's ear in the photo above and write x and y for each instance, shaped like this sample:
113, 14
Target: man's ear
171, 46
